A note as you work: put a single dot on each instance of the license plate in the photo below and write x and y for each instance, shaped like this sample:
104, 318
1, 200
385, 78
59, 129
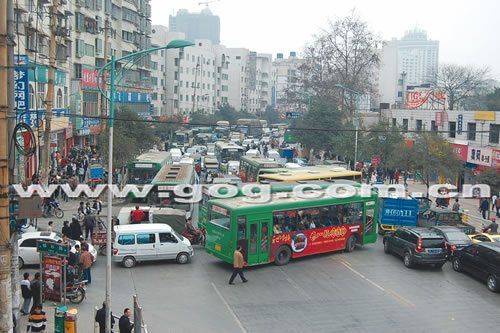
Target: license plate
433, 251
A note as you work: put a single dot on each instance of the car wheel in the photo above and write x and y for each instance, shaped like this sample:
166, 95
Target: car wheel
408, 260
283, 256
457, 265
386, 247
182, 258
351, 244
128, 262
21, 262
492, 283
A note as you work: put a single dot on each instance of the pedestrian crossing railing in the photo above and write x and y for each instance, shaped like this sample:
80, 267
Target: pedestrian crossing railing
477, 222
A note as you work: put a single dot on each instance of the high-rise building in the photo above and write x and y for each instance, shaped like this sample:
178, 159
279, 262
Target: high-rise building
203, 25
410, 61
287, 80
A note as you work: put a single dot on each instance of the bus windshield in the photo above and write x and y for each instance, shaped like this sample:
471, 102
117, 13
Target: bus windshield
180, 138
231, 154
141, 176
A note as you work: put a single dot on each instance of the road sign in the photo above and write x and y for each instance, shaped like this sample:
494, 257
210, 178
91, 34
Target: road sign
292, 115
53, 248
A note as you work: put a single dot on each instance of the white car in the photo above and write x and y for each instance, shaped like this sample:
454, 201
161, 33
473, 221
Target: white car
252, 152
190, 151
265, 140
27, 246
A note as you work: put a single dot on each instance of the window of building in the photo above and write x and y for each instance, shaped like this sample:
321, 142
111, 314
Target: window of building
154, 80
419, 125
89, 50
154, 65
98, 46
224, 88
433, 126
162, 82
79, 21
162, 68
59, 98
78, 71
79, 48
154, 96
175, 89
90, 103
400, 94
471, 131
452, 130
494, 133
176, 75
405, 125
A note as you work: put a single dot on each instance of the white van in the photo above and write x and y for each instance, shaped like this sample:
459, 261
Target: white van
252, 153
145, 242
176, 154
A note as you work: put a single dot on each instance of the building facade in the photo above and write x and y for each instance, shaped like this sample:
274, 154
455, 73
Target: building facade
411, 61
203, 25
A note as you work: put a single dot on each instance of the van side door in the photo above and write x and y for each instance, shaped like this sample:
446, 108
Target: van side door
146, 246
169, 246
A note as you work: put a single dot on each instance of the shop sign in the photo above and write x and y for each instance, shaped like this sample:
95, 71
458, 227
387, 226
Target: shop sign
68, 133
496, 159
84, 132
21, 84
439, 118
460, 151
479, 156
89, 78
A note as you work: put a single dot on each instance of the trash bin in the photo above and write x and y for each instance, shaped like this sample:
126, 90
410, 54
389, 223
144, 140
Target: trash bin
59, 315
70, 321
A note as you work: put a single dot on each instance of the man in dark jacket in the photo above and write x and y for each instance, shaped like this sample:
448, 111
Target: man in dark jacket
66, 230
100, 317
26, 292
493, 227
76, 229
35, 290
124, 323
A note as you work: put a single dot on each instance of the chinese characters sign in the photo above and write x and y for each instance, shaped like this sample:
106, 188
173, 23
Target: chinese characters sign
89, 78
21, 85
480, 156
52, 278
418, 98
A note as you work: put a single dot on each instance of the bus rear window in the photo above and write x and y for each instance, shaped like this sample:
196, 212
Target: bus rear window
220, 216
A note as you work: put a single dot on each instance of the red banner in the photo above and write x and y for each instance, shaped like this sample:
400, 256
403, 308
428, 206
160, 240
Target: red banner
460, 151
416, 99
89, 78
439, 118
52, 275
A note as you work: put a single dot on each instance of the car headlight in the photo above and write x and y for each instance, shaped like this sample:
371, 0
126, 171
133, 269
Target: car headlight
190, 248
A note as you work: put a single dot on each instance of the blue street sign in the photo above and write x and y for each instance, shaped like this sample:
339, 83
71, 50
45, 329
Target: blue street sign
292, 115
460, 121
21, 85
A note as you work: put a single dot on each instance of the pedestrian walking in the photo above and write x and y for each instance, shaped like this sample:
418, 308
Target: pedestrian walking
456, 206
493, 202
396, 176
97, 206
484, 207
76, 229
26, 293
86, 260
238, 263
124, 324
89, 225
50, 227
37, 320
100, 317
497, 205
36, 286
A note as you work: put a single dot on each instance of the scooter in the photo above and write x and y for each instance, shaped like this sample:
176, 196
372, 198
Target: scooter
197, 238
53, 209
75, 291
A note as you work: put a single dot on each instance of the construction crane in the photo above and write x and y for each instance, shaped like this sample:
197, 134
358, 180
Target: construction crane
207, 2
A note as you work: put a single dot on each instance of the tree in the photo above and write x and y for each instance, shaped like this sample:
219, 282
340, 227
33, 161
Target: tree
131, 136
344, 54
381, 139
166, 128
490, 177
460, 82
202, 118
493, 100
431, 156
271, 115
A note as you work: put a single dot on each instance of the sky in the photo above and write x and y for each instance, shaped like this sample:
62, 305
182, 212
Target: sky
468, 31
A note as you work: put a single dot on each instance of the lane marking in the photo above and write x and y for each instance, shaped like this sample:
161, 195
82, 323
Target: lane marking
229, 308
295, 285
386, 291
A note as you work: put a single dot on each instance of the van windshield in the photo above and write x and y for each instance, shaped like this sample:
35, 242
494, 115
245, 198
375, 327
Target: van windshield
178, 235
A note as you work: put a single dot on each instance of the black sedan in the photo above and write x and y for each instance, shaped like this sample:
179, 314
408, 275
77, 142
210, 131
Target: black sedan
455, 238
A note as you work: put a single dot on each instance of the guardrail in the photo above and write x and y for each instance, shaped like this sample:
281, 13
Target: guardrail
477, 222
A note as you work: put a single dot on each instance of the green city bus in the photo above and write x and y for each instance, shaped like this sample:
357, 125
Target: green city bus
162, 194
146, 166
183, 139
290, 226
252, 166
227, 151
206, 196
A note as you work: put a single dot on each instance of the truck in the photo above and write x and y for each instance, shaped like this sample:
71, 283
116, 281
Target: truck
440, 216
397, 212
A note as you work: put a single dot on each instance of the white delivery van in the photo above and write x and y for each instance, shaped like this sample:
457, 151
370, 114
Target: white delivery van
152, 241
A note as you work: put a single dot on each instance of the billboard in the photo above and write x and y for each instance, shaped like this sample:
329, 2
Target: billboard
427, 99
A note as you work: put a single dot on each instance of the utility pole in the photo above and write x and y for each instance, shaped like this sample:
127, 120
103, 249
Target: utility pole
104, 101
50, 93
195, 83
5, 277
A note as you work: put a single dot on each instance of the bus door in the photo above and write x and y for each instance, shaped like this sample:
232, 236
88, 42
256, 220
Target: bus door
259, 233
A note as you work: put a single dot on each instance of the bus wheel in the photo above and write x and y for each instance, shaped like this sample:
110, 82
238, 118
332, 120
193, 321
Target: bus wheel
351, 243
282, 256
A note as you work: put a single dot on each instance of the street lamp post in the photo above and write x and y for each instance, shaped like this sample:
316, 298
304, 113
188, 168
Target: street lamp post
358, 94
132, 58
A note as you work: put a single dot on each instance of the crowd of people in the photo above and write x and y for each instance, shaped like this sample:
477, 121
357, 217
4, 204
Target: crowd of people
373, 175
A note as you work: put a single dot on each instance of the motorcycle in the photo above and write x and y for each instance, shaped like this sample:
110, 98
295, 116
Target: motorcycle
53, 209
196, 237
75, 291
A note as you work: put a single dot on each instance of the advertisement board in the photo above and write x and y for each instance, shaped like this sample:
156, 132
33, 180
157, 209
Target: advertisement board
460, 151
479, 156
21, 84
52, 275
426, 99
